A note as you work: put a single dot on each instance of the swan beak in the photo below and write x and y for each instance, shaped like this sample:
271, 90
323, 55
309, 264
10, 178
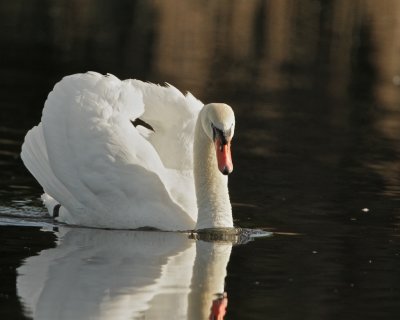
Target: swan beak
224, 158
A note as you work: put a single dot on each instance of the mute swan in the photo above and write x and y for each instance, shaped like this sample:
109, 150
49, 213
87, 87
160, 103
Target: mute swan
98, 170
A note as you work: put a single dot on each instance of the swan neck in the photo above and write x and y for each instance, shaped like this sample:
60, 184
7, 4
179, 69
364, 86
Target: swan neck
214, 207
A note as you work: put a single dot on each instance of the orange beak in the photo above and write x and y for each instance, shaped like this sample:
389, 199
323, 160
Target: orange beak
224, 157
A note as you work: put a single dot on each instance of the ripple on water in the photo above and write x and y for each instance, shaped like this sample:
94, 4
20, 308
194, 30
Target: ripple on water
234, 235
23, 213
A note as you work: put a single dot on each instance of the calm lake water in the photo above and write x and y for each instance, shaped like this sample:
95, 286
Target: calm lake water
316, 90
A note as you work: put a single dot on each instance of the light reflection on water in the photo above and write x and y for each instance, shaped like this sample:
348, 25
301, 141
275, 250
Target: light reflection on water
103, 274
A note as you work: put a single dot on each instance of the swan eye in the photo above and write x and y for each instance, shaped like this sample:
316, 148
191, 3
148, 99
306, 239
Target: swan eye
214, 131
218, 133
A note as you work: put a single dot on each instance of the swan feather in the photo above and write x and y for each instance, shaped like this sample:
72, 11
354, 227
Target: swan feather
105, 172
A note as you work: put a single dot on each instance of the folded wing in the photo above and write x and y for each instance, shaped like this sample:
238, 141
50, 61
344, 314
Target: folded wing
89, 157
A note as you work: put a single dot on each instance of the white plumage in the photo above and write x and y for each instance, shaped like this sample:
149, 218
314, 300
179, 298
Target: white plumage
104, 171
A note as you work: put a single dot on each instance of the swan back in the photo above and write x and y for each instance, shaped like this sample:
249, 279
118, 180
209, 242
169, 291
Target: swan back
115, 176
173, 117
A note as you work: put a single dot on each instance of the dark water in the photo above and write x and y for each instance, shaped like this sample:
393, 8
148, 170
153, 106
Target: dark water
316, 89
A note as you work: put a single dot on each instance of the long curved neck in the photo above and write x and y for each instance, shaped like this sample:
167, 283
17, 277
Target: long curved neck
213, 202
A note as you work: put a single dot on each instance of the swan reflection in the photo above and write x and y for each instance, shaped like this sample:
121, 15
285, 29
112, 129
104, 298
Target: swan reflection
104, 274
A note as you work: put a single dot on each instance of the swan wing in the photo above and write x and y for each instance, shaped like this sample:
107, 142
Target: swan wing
173, 116
115, 176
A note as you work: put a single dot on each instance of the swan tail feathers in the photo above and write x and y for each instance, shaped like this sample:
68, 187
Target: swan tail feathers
35, 158
34, 155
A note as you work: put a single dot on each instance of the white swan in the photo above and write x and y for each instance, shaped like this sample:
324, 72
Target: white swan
105, 172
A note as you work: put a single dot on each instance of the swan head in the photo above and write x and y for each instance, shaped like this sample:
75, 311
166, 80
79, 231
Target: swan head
219, 125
